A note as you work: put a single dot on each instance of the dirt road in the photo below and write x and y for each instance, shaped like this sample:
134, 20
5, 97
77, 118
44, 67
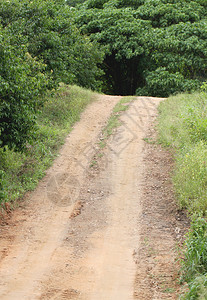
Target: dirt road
81, 233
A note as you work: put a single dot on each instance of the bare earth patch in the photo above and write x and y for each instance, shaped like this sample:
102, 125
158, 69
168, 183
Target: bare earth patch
163, 227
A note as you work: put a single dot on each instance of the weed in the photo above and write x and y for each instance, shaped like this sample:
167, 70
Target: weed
150, 141
169, 290
93, 163
195, 261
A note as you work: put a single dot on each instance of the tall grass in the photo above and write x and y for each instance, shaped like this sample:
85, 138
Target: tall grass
183, 127
20, 172
194, 267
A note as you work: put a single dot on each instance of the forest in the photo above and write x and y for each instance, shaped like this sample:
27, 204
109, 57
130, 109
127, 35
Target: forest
142, 47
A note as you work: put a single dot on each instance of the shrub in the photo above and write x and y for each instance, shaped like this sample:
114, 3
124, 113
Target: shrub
162, 83
22, 87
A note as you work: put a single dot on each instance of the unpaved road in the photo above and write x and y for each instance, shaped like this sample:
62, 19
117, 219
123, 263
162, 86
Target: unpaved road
81, 234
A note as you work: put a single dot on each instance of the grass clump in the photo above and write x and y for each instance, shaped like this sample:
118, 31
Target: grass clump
195, 260
20, 172
114, 121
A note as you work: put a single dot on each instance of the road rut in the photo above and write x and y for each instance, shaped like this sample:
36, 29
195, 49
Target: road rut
79, 234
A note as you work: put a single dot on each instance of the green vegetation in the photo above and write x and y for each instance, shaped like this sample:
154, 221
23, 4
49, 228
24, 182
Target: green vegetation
22, 88
147, 47
40, 46
195, 261
183, 127
152, 47
74, 2
20, 172
113, 121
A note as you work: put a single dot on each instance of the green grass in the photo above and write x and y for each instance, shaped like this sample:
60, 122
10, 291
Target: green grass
194, 265
112, 124
114, 121
183, 128
182, 120
190, 178
20, 172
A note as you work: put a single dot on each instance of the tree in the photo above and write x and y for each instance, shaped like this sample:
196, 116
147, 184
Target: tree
117, 32
40, 46
74, 2
48, 28
142, 38
22, 86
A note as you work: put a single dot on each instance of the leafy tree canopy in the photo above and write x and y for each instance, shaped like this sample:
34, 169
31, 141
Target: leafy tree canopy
142, 39
40, 46
48, 28
22, 82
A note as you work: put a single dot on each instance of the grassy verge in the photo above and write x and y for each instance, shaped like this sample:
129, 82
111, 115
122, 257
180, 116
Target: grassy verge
20, 172
183, 127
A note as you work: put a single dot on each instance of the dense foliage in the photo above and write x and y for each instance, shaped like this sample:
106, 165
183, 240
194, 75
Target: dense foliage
22, 81
74, 2
47, 28
40, 46
147, 47
157, 47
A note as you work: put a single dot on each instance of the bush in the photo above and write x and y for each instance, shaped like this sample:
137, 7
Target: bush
162, 83
22, 87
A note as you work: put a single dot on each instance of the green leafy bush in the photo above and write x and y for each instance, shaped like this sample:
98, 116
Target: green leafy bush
162, 83
22, 87
40, 47
48, 28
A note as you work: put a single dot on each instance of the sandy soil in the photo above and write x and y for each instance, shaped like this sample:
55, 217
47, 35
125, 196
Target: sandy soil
102, 225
